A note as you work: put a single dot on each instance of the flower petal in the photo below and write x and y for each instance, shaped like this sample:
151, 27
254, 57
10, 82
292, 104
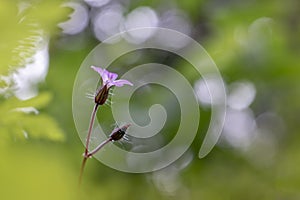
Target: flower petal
121, 82
103, 73
98, 69
111, 76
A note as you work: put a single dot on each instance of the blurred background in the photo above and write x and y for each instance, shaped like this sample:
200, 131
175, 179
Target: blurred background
255, 44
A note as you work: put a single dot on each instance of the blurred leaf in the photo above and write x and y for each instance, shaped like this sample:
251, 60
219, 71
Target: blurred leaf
38, 102
23, 26
21, 120
43, 126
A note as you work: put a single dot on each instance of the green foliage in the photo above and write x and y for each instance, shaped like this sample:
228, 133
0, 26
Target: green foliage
265, 52
23, 29
21, 120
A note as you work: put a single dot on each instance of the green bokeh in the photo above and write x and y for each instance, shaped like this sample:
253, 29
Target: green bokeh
249, 40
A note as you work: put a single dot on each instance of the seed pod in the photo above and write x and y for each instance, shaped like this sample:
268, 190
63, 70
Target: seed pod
118, 133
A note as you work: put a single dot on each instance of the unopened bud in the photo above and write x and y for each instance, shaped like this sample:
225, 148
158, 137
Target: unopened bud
118, 133
102, 95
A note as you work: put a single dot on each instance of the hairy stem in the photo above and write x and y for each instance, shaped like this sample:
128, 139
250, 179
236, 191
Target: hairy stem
99, 146
88, 138
88, 155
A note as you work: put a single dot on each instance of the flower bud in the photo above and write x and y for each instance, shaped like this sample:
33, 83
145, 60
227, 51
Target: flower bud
102, 95
118, 133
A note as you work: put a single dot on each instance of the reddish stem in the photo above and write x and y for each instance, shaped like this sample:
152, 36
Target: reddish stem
82, 169
99, 147
90, 130
88, 138
88, 155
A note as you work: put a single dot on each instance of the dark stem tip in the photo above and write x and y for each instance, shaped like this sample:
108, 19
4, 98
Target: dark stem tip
119, 132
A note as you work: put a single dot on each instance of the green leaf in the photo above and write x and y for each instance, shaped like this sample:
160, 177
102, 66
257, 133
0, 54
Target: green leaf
21, 120
22, 31
37, 102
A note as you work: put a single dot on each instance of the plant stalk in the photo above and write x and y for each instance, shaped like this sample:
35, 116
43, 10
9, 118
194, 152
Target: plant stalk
88, 138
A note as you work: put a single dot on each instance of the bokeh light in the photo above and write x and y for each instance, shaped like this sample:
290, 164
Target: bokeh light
27, 79
107, 22
78, 19
255, 45
141, 17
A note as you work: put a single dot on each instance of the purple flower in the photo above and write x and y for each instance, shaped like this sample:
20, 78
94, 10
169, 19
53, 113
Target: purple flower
109, 78
108, 81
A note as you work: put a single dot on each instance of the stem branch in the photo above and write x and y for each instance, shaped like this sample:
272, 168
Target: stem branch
99, 147
88, 155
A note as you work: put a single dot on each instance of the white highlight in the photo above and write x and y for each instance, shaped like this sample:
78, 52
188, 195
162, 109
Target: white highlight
97, 3
26, 79
141, 17
78, 19
27, 110
177, 21
239, 128
210, 86
107, 23
241, 95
